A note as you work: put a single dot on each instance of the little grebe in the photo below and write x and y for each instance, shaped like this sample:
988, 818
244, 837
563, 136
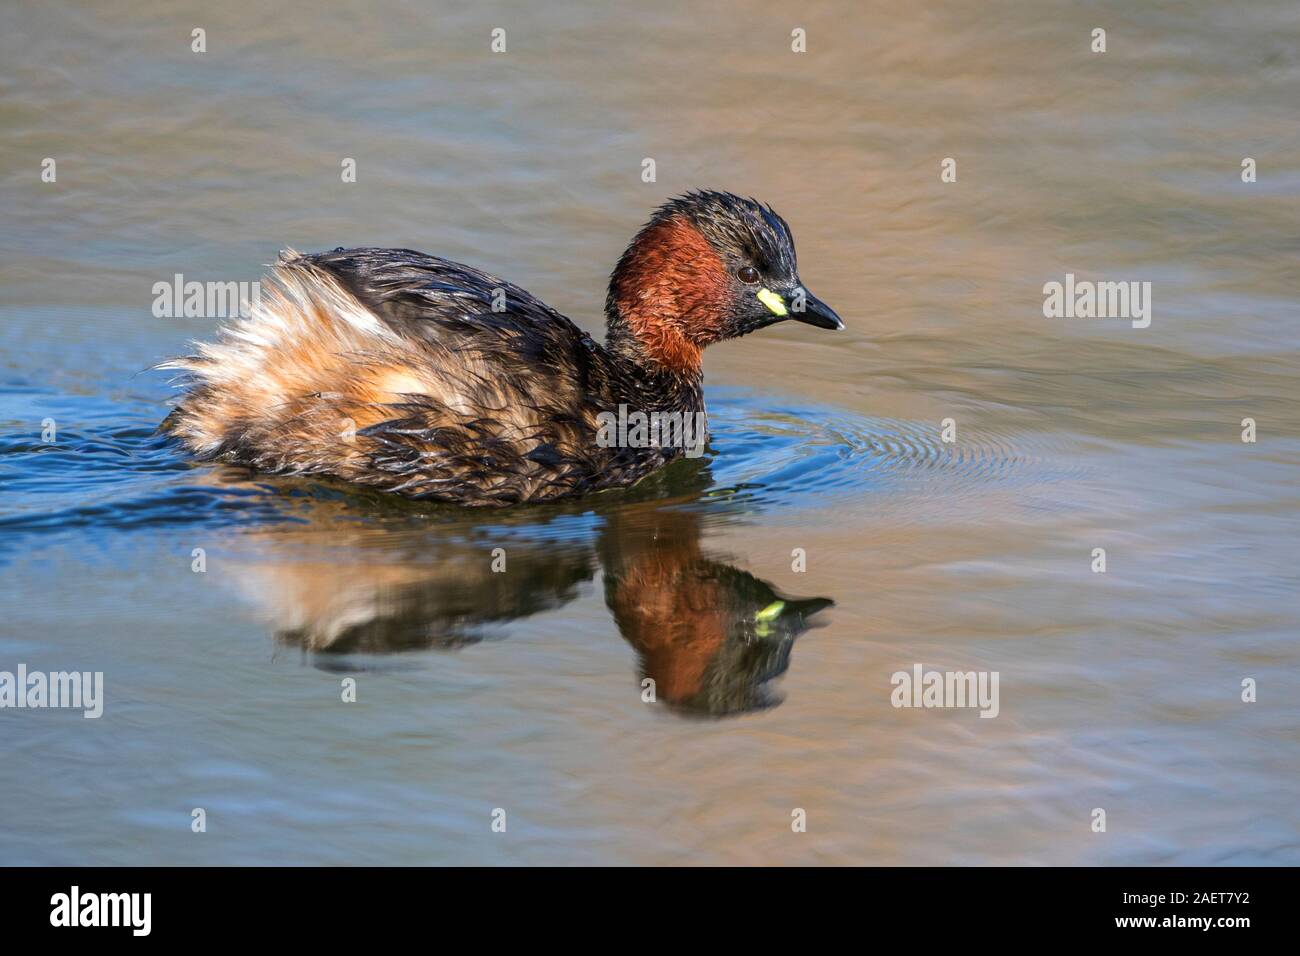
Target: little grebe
419, 376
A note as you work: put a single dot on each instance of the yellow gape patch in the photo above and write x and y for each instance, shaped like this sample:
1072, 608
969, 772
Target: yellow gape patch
773, 301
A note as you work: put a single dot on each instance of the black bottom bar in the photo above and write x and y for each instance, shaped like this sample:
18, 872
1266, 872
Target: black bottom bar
333, 905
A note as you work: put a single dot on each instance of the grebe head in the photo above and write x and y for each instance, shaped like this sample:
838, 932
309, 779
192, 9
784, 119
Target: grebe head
708, 266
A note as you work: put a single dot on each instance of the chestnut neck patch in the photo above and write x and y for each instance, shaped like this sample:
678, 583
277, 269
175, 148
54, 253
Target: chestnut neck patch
671, 289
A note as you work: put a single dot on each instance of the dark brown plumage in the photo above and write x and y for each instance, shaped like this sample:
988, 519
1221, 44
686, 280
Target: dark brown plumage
419, 376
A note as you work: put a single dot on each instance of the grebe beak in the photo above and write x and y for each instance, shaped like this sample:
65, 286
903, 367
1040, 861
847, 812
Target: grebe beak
814, 311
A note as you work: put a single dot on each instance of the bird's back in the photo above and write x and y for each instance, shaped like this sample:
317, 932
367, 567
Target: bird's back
411, 374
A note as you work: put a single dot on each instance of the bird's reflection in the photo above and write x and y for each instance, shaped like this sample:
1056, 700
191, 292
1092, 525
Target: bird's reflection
710, 636
343, 608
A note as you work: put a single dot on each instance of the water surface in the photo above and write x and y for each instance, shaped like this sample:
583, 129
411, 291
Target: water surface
523, 690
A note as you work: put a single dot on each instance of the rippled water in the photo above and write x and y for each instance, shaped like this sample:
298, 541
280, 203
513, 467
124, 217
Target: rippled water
523, 690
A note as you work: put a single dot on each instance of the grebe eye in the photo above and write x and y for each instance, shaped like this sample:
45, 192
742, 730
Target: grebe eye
747, 274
